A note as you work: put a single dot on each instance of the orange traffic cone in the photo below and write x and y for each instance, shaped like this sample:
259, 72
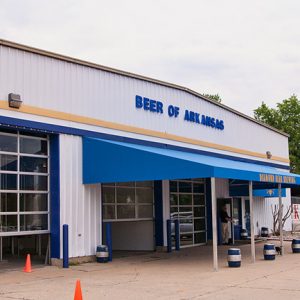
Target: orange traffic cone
27, 268
78, 293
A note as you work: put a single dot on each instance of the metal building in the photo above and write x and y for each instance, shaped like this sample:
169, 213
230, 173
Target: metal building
87, 145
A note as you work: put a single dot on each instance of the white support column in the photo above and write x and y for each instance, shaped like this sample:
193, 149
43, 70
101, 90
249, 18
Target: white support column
214, 223
280, 217
251, 221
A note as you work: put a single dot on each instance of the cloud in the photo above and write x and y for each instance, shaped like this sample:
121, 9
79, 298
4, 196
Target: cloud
245, 51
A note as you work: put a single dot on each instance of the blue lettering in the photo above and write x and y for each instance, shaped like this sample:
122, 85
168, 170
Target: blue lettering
138, 101
153, 105
186, 115
171, 111
146, 104
159, 106
217, 124
192, 116
222, 125
176, 111
212, 122
203, 120
207, 120
197, 116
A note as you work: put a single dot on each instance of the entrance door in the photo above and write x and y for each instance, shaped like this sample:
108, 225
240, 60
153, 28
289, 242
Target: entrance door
229, 205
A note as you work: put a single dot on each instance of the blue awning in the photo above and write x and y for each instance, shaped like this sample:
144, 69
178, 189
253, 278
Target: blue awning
110, 161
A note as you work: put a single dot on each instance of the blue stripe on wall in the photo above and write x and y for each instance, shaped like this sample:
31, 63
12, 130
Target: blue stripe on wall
208, 209
54, 196
49, 128
158, 208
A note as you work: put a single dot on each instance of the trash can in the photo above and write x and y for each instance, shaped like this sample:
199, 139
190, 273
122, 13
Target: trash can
234, 257
264, 232
102, 254
296, 245
269, 252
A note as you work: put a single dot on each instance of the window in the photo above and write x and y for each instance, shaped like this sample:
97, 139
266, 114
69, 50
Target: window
128, 200
187, 203
24, 182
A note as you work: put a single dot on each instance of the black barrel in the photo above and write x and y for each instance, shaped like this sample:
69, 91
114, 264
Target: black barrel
102, 254
269, 252
296, 245
234, 257
264, 232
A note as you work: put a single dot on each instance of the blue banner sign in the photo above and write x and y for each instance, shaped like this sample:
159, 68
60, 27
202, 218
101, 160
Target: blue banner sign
173, 111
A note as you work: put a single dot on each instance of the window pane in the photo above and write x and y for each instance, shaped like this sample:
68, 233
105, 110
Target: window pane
173, 186
200, 238
199, 200
199, 224
199, 212
198, 188
129, 183
109, 212
33, 182
33, 164
33, 222
186, 239
185, 200
108, 194
8, 223
186, 225
8, 202
144, 196
8, 162
8, 181
125, 195
145, 211
8, 143
125, 211
144, 183
186, 211
33, 146
185, 187
174, 212
33, 202
173, 199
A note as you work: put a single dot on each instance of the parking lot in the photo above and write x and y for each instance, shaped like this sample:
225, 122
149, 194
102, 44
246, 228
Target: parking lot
180, 275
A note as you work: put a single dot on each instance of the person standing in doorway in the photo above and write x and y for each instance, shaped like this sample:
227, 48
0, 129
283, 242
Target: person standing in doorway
225, 229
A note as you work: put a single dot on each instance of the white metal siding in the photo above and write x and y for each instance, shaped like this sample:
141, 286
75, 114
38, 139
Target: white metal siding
66, 87
263, 212
80, 204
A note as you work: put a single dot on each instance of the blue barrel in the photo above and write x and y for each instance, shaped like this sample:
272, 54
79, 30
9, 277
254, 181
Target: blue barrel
296, 245
102, 254
244, 234
234, 257
269, 251
264, 232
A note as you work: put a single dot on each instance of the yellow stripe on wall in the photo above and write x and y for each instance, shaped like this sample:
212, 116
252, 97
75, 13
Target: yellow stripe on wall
110, 125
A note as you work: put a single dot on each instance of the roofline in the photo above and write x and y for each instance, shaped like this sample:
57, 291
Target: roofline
132, 75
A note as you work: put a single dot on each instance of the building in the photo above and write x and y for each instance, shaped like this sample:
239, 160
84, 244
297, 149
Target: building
89, 144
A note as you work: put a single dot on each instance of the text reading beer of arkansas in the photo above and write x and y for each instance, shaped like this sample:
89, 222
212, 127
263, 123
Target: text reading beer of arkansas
276, 178
173, 111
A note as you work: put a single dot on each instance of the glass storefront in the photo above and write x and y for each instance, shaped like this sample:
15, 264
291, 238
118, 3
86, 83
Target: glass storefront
24, 182
187, 203
128, 201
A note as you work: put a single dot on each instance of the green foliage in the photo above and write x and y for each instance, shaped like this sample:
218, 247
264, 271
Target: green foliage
215, 97
285, 117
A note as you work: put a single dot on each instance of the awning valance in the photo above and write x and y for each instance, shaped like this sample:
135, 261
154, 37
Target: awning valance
110, 161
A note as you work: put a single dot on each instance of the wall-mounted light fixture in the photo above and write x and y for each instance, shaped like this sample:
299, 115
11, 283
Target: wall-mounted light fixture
14, 100
269, 154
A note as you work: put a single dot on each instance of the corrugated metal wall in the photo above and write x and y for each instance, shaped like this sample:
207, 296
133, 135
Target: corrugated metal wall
263, 212
80, 204
54, 84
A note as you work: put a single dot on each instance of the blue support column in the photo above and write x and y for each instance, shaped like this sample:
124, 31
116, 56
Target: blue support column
177, 235
108, 240
169, 235
65, 246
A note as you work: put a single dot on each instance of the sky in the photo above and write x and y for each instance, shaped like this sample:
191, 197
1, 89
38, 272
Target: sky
245, 51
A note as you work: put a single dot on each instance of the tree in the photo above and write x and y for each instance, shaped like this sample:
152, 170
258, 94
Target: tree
215, 97
285, 117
